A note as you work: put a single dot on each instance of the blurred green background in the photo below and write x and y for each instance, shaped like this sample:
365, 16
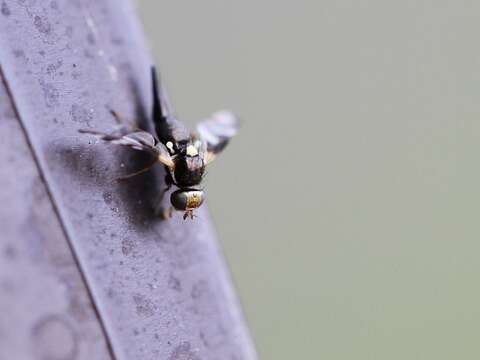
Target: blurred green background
348, 204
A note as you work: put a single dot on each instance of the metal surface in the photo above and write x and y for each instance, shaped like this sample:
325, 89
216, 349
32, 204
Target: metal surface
161, 289
45, 310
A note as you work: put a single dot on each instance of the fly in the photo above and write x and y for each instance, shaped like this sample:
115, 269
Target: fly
184, 153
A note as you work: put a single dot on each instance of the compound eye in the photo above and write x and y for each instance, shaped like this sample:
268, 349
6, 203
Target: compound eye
187, 199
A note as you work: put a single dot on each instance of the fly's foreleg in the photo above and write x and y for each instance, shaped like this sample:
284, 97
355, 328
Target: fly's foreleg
164, 213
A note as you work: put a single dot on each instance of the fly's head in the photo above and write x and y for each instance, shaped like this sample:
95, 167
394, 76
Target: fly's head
187, 200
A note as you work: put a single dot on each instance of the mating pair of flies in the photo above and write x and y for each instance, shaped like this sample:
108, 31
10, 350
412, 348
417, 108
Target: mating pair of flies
184, 153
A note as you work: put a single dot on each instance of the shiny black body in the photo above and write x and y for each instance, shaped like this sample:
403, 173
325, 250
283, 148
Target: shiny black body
184, 153
188, 171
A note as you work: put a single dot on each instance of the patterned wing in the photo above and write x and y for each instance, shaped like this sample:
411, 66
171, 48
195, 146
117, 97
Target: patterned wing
166, 126
138, 140
217, 131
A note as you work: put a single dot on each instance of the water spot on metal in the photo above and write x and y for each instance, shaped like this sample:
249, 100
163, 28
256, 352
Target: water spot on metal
81, 115
52, 68
199, 289
88, 54
128, 246
144, 306
10, 252
214, 336
78, 305
5, 9
42, 25
50, 93
107, 197
53, 338
91, 39
53, 5
152, 286
110, 293
183, 352
118, 41
174, 283
76, 75
18, 53
69, 31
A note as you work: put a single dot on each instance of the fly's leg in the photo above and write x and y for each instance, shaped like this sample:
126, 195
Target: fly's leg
117, 117
124, 177
188, 213
124, 124
121, 121
168, 186
164, 213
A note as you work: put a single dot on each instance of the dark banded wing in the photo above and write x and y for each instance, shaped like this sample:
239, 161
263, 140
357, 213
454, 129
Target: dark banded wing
138, 140
217, 131
166, 126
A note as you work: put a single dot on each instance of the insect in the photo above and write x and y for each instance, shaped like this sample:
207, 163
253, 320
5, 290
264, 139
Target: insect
184, 153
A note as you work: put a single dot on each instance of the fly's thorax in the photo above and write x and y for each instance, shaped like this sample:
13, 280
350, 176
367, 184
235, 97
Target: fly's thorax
187, 199
188, 157
188, 170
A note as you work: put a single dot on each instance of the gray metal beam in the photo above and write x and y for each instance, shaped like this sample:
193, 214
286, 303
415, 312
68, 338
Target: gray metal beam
45, 309
161, 289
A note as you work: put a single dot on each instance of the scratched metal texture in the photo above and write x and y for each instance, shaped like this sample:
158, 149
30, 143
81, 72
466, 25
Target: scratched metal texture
45, 310
161, 289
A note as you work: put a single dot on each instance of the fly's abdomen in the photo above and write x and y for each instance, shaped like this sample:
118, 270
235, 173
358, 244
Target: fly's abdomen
187, 199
